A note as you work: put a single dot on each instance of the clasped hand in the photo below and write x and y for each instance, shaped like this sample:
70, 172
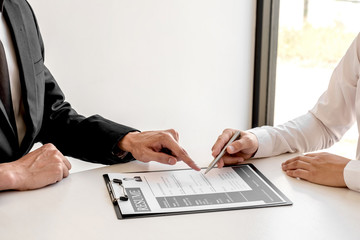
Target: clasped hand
39, 168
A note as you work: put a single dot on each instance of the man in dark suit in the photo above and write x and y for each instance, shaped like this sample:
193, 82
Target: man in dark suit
38, 112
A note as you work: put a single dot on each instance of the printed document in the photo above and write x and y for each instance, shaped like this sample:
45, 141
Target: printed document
241, 186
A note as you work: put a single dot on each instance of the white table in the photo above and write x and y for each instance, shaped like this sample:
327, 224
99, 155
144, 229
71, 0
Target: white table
79, 207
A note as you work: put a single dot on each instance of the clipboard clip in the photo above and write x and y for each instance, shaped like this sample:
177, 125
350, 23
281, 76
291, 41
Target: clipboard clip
112, 192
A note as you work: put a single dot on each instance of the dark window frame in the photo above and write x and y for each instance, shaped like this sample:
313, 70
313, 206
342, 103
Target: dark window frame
266, 39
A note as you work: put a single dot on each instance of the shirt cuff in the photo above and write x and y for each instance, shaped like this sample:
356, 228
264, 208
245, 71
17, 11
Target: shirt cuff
264, 140
120, 153
352, 175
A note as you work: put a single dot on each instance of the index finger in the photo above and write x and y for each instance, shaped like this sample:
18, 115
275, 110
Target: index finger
222, 140
298, 158
180, 154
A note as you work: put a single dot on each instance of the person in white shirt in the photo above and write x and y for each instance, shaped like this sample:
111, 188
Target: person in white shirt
335, 112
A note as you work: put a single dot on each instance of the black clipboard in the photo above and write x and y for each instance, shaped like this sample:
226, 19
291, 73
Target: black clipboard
286, 201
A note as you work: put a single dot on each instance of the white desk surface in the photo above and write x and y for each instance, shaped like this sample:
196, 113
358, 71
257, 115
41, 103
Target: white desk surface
79, 207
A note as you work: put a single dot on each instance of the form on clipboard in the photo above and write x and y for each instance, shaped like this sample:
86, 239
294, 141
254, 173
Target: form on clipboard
140, 194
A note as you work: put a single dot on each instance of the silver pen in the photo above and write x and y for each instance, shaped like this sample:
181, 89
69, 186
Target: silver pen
212, 164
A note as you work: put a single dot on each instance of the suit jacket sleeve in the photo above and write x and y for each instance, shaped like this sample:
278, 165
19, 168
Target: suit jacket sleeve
92, 139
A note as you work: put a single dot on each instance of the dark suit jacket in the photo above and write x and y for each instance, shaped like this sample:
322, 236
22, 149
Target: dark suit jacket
49, 118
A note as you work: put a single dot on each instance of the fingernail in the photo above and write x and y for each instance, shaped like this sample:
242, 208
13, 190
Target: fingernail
172, 161
230, 149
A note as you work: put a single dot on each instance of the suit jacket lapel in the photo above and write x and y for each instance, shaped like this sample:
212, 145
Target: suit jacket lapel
16, 24
25, 62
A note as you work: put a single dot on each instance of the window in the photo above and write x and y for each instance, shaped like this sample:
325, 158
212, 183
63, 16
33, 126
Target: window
313, 36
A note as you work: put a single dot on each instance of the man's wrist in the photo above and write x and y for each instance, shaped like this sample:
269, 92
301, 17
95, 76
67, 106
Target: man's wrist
126, 143
123, 148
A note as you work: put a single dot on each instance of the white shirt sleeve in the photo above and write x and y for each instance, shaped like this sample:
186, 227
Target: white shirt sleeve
303, 134
352, 175
333, 114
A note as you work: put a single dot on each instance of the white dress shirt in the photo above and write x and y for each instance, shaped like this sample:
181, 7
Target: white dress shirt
15, 85
335, 112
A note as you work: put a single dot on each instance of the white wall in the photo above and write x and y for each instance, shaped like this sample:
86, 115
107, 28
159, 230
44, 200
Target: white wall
155, 64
